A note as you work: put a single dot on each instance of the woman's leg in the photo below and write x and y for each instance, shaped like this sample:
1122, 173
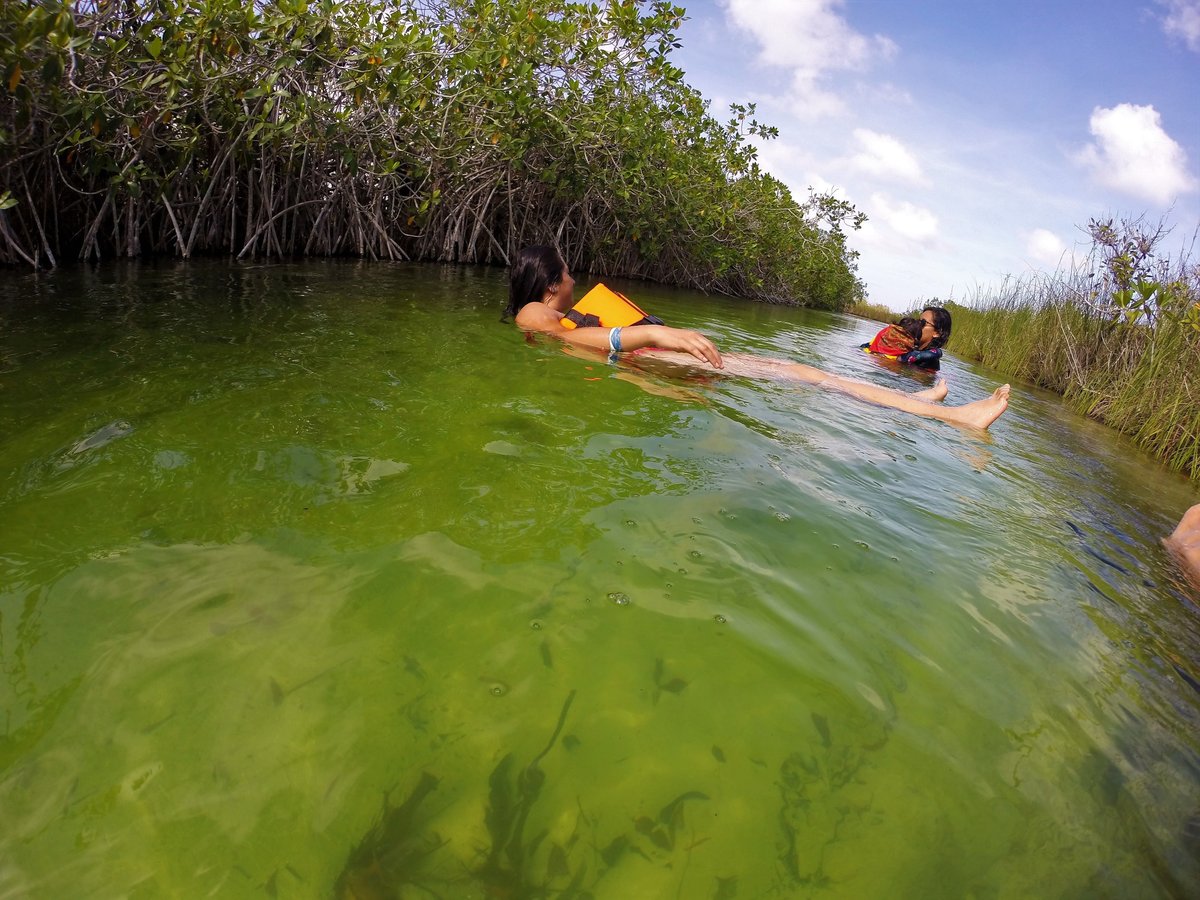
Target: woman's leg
979, 414
935, 394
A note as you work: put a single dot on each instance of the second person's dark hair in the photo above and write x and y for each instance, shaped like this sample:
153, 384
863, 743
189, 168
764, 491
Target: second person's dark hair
536, 269
912, 326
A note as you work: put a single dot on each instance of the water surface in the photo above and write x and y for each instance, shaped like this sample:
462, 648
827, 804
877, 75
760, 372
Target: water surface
315, 580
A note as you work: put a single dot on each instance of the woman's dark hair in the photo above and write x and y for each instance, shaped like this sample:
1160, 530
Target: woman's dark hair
535, 271
941, 321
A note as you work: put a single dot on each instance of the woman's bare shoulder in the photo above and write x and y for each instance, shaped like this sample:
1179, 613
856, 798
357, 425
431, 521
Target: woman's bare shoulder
538, 317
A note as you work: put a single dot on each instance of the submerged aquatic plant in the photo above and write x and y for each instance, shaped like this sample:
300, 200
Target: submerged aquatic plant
823, 795
392, 853
509, 805
397, 858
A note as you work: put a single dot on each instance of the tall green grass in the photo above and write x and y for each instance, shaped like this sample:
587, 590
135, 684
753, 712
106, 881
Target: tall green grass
876, 311
1061, 333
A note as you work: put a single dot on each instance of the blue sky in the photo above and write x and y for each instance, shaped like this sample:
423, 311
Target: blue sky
979, 137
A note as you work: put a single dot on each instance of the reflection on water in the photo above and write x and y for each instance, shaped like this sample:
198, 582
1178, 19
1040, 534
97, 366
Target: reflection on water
316, 580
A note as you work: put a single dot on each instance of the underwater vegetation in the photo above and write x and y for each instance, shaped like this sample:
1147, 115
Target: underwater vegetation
824, 796
510, 801
403, 856
392, 853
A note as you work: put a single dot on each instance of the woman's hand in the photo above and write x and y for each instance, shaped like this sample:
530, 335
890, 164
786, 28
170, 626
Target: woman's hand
679, 339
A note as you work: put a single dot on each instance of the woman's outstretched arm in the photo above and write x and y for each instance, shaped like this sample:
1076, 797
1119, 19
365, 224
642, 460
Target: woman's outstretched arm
541, 318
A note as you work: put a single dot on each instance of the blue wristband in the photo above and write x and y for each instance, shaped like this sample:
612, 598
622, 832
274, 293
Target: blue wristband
614, 340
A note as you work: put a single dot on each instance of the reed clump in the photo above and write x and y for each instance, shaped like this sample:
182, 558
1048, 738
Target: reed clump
877, 311
1117, 334
441, 130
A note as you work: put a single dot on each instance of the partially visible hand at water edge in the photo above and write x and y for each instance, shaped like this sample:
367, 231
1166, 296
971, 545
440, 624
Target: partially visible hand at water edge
1184, 545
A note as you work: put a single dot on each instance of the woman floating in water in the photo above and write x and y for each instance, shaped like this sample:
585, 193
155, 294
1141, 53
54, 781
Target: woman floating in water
541, 292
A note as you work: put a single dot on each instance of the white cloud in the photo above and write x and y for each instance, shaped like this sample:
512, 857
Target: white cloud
882, 156
906, 219
778, 156
1182, 20
1134, 155
809, 100
820, 185
1045, 247
810, 38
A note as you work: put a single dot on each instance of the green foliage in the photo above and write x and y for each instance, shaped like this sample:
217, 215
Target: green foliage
865, 310
1118, 336
1131, 281
453, 130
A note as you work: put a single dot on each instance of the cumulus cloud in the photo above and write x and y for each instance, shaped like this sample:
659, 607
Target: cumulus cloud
1133, 154
818, 184
882, 156
1045, 247
906, 219
1182, 20
810, 38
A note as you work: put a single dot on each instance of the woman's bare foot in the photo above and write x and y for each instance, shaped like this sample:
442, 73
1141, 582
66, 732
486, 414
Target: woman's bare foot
935, 394
981, 413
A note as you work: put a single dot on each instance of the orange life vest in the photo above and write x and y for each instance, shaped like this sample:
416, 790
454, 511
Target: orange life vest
605, 308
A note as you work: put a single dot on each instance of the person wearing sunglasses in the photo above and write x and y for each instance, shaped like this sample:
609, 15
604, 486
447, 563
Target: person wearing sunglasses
916, 341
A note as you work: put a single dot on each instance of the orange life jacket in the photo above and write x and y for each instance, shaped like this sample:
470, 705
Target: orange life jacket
603, 307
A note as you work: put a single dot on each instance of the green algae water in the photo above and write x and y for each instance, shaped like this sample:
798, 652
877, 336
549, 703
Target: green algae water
317, 581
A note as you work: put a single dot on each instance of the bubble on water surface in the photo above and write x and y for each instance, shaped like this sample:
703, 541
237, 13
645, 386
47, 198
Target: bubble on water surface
862, 545
620, 598
498, 689
695, 554
783, 517
630, 523
536, 625
720, 619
